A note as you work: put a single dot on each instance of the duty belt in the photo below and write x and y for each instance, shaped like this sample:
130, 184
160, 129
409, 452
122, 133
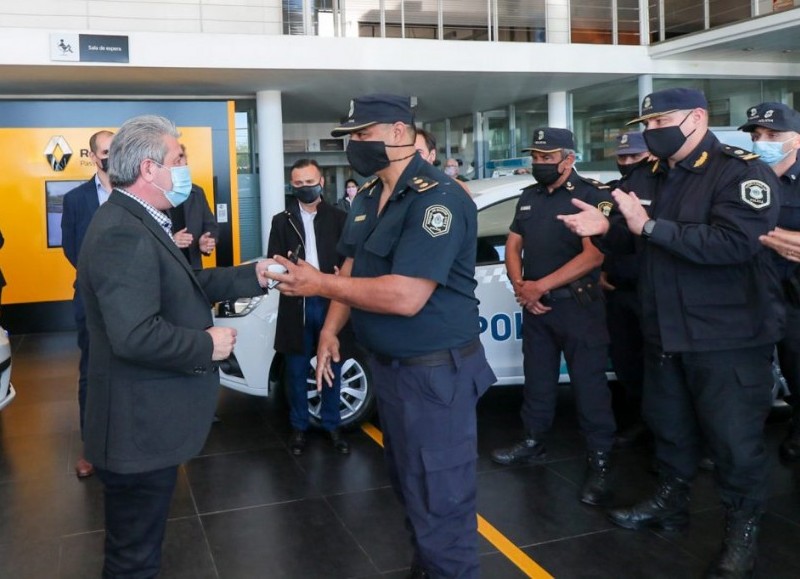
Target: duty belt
561, 293
437, 358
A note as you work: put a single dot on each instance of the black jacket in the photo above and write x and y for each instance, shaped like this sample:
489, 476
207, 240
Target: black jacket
706, 281
286, 234
195, 215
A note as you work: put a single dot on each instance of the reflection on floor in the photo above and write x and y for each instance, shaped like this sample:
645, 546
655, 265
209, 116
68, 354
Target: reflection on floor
248, 509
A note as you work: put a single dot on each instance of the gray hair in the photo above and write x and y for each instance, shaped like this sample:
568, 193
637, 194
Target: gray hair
138, 139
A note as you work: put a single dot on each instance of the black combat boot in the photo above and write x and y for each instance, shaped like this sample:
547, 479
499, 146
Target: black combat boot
526, 450
667, 509
737, 559
596, 489
790, 447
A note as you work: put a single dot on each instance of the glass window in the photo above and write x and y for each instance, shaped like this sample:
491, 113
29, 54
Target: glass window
462, 144
628, 22
521, 21
493, 223
682, 17
465, 19
599, 114
728, 11
590, 21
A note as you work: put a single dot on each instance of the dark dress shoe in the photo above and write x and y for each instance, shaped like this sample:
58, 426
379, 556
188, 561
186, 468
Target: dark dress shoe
297, 443
525, 451
83, 468
339, 443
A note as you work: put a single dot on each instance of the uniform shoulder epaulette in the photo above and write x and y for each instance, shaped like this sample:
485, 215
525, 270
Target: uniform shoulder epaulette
738, 153
420, 184
595, 182
367, 185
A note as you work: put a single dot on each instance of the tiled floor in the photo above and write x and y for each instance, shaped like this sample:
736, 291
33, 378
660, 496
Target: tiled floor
248, 509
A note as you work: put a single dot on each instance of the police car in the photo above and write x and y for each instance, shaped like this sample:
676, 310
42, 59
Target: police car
7, 392
255, 368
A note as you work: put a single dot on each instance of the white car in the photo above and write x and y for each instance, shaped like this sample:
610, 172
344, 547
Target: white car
7, 392
256, 369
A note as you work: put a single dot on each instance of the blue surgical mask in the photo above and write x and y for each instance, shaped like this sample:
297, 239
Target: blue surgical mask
181, 184
771, 152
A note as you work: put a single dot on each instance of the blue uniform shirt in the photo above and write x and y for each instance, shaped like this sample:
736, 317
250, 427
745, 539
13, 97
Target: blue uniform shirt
547, 244
789, 217
427, 229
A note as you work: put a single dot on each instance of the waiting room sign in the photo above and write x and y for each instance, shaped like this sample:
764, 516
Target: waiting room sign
71, 47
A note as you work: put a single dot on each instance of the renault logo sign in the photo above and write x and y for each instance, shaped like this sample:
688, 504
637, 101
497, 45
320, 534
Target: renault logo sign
58, 153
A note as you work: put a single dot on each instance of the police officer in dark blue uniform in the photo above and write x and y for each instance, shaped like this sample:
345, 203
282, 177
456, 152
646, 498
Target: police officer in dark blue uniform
711, 313
618, 279
408, 285
555, 277
775, 130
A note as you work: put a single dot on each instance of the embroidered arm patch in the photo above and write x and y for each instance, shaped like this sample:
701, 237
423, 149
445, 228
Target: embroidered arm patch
437, 220
755, 193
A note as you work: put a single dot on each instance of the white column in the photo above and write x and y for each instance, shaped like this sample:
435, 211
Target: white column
557, 110
557, 21
645, 86
270, 158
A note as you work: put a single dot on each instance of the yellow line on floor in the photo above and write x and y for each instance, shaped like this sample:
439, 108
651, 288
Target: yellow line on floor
485, 528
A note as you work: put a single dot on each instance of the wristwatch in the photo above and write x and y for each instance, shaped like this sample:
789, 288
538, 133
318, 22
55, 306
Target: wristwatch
647, 230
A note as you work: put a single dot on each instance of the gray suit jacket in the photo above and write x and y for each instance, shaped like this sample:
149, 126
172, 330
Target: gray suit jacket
152, 385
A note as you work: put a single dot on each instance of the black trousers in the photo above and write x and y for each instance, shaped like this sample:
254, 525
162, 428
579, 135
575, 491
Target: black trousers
83, 364
137, 506
626, 349
720, 398
580, 333
789, 355
430, 442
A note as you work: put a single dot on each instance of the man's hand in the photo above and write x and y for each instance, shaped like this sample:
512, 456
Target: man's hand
632, 209
783, 242
183, 238
224, 339
261, 271
604, 282
207, 243
528, 293
589, 221
300, 279
327, 353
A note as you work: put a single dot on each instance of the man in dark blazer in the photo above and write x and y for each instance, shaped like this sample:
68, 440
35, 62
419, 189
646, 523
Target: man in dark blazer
153, 377
79, 207
311, 228
193, 225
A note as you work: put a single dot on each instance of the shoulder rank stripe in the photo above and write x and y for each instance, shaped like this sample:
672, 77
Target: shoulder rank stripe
421, 184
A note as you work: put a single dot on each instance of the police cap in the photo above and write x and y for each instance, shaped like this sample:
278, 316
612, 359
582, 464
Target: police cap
669, 100
775, 116
373, 109
551, 139
631, 144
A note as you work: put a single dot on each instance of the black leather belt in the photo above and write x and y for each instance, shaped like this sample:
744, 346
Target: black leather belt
561, 293
437, 358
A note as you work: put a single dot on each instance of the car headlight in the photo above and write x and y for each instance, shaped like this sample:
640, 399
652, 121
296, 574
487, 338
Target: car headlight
238, 307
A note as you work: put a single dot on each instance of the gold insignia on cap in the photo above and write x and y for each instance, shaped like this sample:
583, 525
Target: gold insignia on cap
540, 135
352, 109
624, 139
646, 103
768, 114
753, 112
701, 160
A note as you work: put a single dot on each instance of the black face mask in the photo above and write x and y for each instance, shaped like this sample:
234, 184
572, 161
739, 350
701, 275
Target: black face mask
666, 141
367, 157
626, 170
545, 173
308, 193
104, 165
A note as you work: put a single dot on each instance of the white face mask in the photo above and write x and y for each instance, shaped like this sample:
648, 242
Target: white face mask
450, 171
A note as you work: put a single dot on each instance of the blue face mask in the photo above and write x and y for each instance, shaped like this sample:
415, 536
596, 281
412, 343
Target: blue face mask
181, 184
771, 152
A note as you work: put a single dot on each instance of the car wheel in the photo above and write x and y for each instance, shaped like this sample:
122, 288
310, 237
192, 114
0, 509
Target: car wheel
356, 398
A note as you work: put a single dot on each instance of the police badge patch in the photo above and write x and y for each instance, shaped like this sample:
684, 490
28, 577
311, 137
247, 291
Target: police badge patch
605, 207
437, 220
755, 193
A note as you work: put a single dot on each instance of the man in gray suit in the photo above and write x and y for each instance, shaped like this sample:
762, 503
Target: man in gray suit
153, 378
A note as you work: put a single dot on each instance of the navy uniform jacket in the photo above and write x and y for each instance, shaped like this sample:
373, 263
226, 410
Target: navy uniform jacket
427, 229
789, 217
79, 206
285, 235
706, 282
547, 244
152, 384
